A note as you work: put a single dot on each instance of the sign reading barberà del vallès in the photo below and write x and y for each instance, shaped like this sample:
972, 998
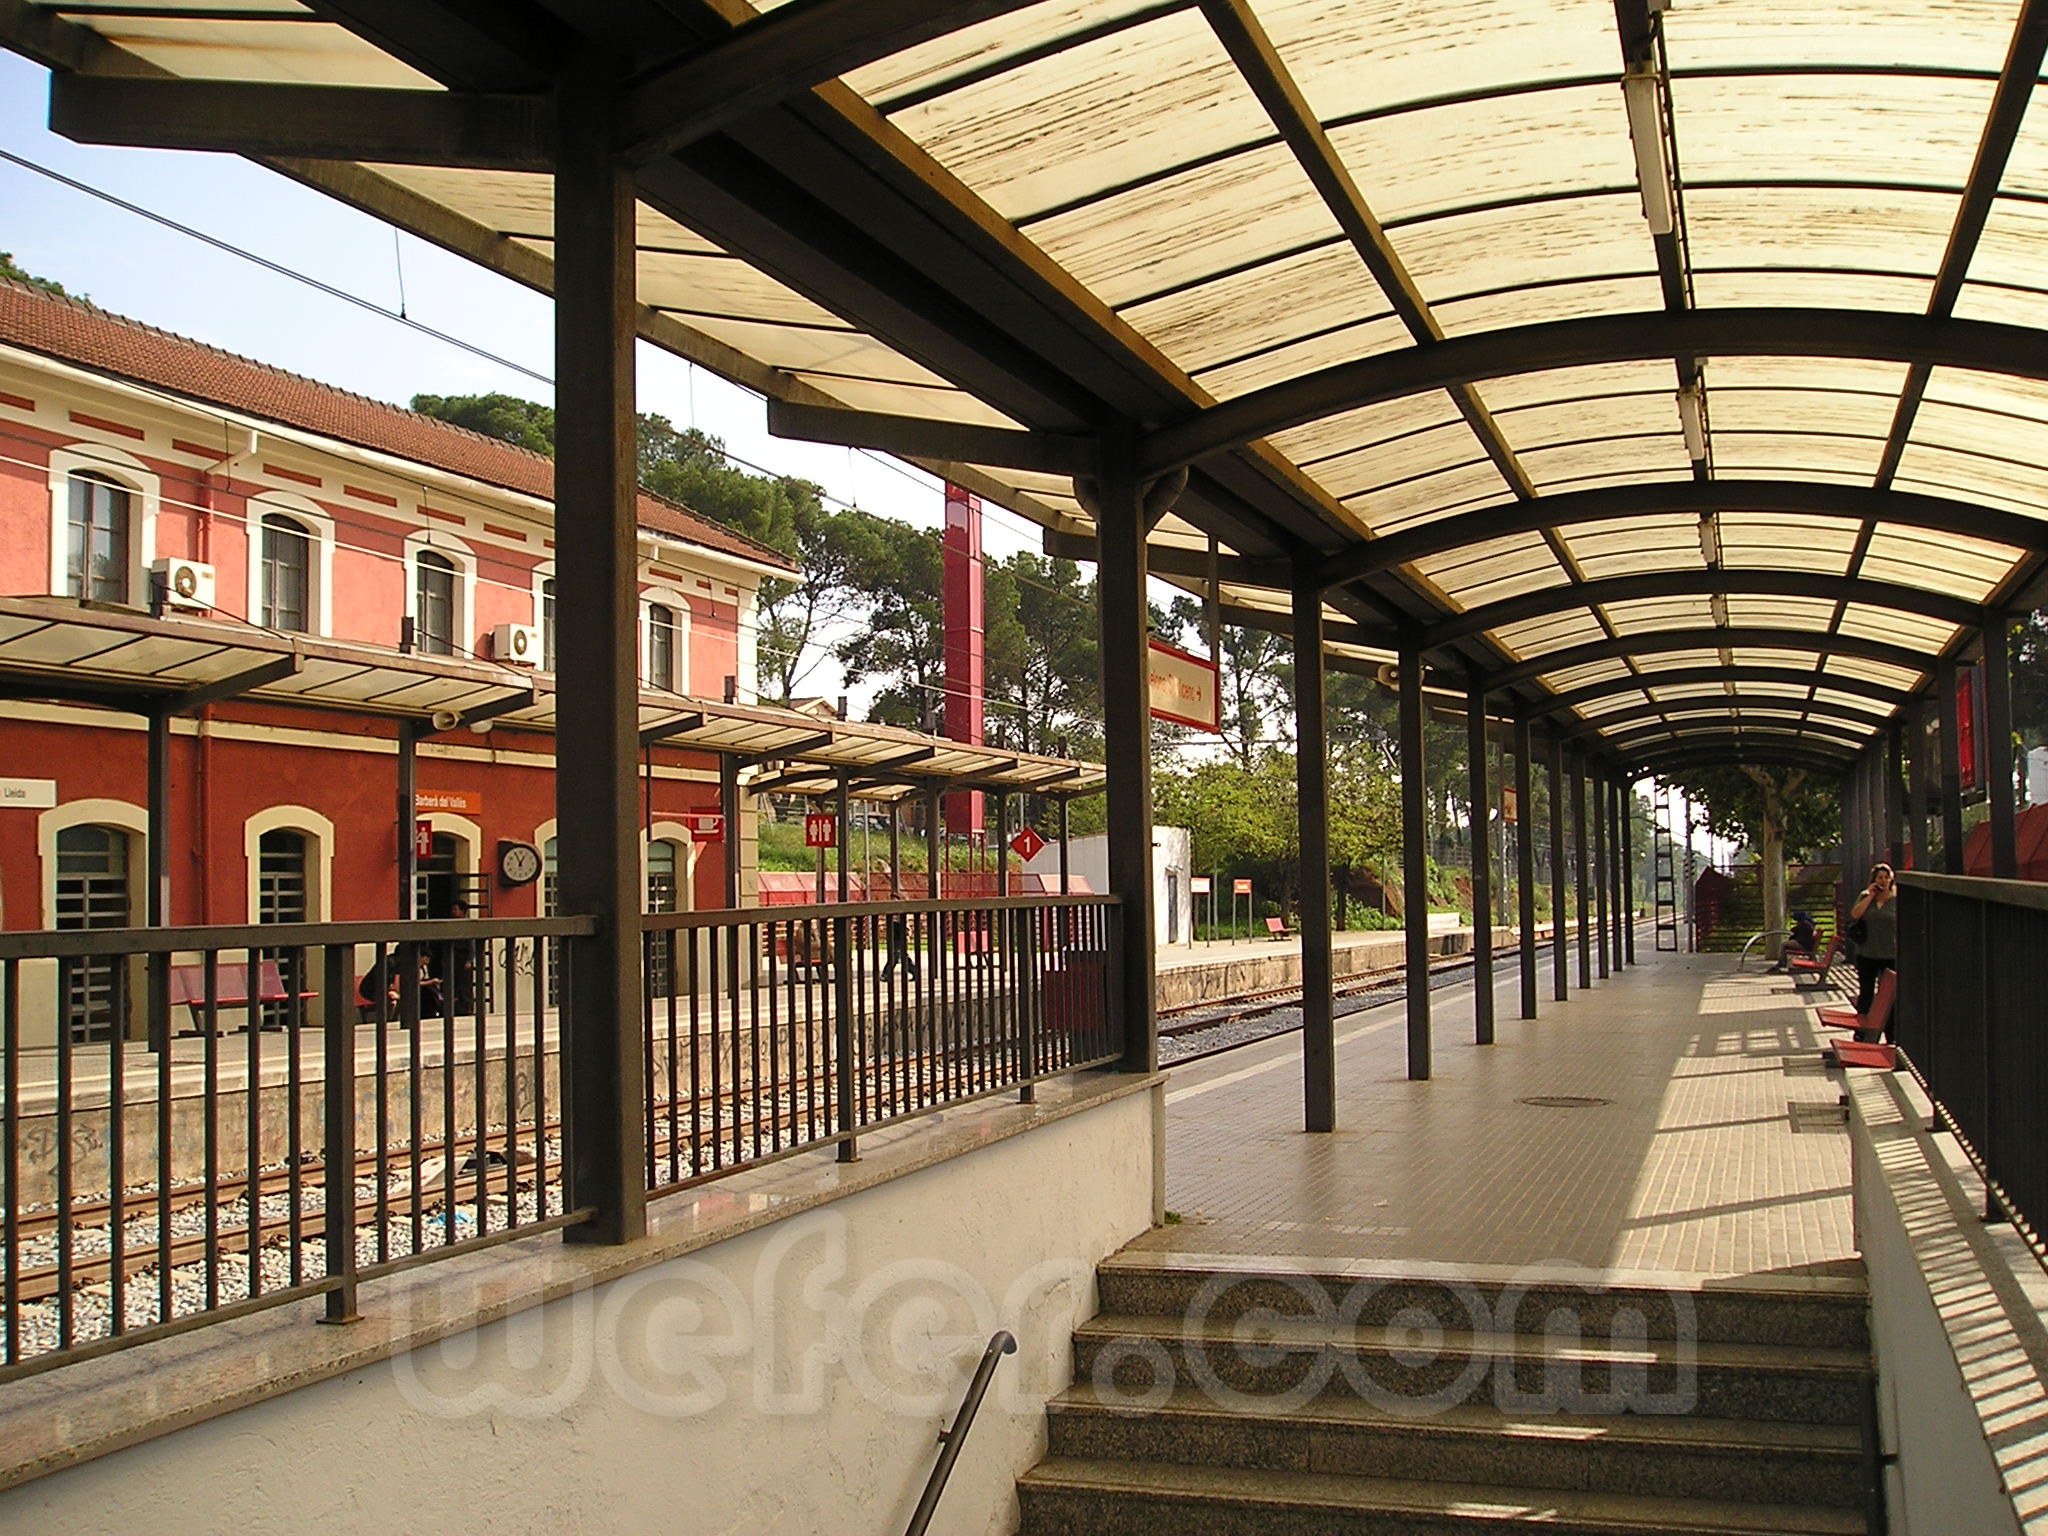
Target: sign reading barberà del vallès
28, 794
1183, 687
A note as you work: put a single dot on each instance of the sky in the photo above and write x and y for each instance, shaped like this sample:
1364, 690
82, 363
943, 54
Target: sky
126, 263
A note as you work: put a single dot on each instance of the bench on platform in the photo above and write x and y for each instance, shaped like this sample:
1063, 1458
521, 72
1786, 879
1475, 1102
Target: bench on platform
230, 988
1807, 966
1869, 1027
1276, 928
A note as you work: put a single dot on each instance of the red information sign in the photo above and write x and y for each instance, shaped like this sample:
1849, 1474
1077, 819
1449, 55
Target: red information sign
705, 826
1509, 805
821, 830
1027, 845
1240, 887
423, 839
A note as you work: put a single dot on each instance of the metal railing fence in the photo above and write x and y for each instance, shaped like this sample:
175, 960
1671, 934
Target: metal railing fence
291, 1071
181, 1109
785, 1028
1972, 991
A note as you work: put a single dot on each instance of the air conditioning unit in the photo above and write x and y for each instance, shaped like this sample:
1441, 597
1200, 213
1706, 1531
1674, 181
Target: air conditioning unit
517, 643
185, 583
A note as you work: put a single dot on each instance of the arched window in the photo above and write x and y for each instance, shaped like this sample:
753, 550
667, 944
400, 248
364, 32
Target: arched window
287, 555
663, 868
661, 646
551, 905
547, 624
435, 609
98, 553
92, 892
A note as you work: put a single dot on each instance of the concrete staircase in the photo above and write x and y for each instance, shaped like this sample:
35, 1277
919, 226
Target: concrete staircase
1262, 1402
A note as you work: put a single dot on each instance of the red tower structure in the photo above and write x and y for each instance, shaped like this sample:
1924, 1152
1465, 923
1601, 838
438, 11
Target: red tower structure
966, 646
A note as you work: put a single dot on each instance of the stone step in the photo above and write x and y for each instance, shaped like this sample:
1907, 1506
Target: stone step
1418, 1369
1624, 1454
1065, 1497
1828, 1310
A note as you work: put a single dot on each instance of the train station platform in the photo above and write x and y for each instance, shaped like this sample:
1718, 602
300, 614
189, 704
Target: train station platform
1673, 1119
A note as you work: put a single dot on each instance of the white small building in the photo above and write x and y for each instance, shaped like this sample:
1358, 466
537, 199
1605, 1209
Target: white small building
1088, 858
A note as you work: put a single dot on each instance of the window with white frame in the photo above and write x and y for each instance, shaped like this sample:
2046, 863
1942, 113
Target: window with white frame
103, 508
661, 646
435, 586
546, 618
286, 551
99, 547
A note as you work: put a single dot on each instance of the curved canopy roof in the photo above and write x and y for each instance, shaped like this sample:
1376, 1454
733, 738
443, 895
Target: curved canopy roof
1682, 365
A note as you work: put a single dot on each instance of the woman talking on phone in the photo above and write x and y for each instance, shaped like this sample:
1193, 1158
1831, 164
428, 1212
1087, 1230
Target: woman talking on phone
1874, 929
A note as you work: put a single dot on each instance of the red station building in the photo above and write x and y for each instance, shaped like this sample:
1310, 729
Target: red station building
145, 474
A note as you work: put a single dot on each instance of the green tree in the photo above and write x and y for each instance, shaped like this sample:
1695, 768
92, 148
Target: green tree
525, 423
1042, 657
1778, 814
2030, 678
14, 274
897, 574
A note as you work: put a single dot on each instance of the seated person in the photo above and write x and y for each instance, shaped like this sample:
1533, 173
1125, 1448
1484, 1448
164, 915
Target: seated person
386, 977
1805, 938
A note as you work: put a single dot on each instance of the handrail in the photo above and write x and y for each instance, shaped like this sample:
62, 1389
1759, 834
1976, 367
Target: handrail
950, 1439
1757, 938
832, 911
84, 943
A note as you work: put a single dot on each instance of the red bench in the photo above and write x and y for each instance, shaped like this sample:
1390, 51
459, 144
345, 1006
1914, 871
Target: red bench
230, 988
1868, 1027
1801, 965
1276, 928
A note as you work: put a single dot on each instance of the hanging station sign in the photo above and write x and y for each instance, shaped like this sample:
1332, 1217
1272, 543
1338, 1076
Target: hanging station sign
459, 802
821, 830
1027, 845
705, 826
1183, 687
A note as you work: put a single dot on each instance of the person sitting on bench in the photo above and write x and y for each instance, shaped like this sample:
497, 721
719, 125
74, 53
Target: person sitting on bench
386, 979
1805, 936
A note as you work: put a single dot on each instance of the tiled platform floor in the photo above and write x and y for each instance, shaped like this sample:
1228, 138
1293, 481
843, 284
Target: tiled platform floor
1721, 1153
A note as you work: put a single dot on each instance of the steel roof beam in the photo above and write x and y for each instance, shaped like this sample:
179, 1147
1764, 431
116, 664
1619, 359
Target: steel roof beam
914, 437
1741, 582
1732, 754
1819, 734
1732, 332
784, 53
310, 122
192, 699
1678, 677
1607, 503
655, 735
1670, 712
1658, 641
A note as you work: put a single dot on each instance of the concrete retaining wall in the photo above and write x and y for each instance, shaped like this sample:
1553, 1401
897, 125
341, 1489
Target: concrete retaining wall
1956, 1323
1186, 984
792, 1379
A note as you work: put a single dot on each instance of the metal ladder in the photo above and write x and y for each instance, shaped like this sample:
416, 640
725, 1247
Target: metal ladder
1664, 874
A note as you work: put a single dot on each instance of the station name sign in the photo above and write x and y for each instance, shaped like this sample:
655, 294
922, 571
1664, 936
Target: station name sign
1183, 688
28, 794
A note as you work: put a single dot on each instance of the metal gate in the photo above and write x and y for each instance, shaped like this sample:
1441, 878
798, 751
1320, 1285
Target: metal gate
281, 898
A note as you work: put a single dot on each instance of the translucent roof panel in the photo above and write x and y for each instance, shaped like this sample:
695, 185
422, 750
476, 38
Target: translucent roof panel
1762, 541
1493, 571
1420, 500
1463, 154
1857, 229
1575, 239
1921, 131
1108, 113
1629, 546
1954, 35
928, 68
1271, 305
1938, 562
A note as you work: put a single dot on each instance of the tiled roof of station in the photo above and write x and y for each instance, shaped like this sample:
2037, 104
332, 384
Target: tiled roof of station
1685, 364
92, 338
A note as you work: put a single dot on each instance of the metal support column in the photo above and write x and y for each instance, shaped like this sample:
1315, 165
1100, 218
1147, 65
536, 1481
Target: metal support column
1312, 810
1946, 676
1625, 792
1122, 610
1598, 784
157, 862
1560, 939
1919, 783
1414, 863
1582, 859
1479, 811
934, 841
1994, 747
1894, 799
408, 814
1525, 862
597, 577
1614, 853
